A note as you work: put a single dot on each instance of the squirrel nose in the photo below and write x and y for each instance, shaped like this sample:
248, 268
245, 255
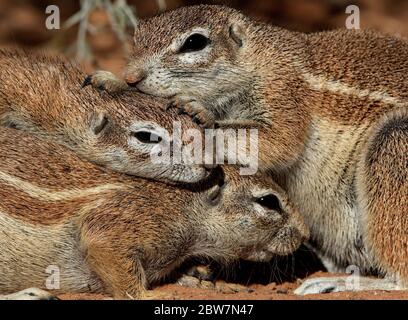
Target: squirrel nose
133, 80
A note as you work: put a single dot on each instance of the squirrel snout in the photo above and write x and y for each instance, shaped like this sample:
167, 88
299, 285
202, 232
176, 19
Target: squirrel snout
134, 79
304, 232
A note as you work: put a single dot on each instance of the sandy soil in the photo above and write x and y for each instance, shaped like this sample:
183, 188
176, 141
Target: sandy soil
229, 291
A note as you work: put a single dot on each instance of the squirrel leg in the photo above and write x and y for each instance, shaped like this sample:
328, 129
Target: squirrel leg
120, 271
382, 184
105, 81
123, 276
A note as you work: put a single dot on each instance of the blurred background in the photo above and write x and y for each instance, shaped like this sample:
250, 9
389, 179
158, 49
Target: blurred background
94, 37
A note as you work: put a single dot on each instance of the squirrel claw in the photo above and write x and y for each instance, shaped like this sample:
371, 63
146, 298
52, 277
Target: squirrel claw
173, 103
105, 81
196, 120
169, 105
199, 114
87, 81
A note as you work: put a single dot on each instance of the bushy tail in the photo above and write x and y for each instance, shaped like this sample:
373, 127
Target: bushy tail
383, 193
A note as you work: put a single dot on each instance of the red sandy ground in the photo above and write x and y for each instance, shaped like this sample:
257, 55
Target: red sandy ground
272, 291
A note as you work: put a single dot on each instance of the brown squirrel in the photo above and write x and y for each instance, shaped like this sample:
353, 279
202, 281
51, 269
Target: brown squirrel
42, 94
332, 113
115, 234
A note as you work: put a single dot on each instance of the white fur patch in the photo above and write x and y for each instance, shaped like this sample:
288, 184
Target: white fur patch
45, 194
322, 83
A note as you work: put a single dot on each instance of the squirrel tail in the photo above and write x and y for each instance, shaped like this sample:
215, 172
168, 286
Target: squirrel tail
382, 178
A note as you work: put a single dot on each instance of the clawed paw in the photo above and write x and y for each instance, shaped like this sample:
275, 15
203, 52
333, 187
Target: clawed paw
199, 276
104, 81
201, 272
195, 110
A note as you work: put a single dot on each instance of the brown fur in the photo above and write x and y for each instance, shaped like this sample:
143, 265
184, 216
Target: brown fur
128, 233
317, 99
42, 94
385, 200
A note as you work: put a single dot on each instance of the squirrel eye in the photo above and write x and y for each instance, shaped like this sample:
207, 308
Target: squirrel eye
195, 42
147, 137
270, 202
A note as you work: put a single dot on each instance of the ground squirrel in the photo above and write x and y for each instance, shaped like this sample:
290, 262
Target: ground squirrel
116, 234
332, 113
42, 95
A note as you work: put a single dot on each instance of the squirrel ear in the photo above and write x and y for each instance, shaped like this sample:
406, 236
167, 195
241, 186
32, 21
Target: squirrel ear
99, 122
237, 33
213, 194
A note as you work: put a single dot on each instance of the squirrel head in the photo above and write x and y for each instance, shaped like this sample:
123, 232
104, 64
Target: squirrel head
179, 51
120, 132
250, 218
132, 134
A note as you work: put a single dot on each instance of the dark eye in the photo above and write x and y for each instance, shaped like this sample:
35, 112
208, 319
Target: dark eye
147, 137
195, 42
270, 202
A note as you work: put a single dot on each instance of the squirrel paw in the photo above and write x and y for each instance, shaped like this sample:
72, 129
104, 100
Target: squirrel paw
345, 283
199, 276
201, 272
320, 285
193, 282
195, 110
105, 81
30, 294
